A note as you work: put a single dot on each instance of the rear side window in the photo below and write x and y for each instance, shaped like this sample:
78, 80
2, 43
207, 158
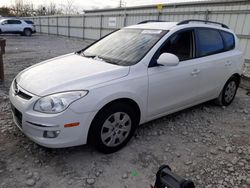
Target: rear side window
28, 22
228, 40
209, 42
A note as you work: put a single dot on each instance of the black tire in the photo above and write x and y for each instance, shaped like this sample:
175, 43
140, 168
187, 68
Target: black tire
97, 127
224, 99
27, 32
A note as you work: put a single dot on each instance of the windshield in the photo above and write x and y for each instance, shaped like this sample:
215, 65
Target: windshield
124, 47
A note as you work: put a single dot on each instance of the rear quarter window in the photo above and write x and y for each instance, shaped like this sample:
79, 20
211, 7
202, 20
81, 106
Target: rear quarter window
28, 22
229, 40
209, 42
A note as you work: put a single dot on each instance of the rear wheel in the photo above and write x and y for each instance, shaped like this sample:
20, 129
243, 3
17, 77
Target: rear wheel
113, 127
27, 32
229, 91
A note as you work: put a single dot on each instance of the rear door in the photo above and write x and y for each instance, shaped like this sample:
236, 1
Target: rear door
212, 62
15, 25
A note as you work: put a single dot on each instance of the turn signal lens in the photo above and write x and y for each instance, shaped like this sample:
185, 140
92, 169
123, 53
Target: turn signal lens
71, 125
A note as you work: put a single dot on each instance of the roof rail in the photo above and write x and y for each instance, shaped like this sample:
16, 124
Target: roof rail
149, 21
204, 21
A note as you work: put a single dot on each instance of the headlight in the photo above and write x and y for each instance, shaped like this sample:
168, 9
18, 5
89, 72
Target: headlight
58, 102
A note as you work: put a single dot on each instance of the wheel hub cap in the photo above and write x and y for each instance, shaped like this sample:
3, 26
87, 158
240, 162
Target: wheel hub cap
116, 129
230, 91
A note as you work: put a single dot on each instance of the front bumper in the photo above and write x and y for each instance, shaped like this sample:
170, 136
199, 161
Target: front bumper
33, 124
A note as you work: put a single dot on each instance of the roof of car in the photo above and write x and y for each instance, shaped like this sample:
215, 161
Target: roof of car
162, 25
11, 18
154, 25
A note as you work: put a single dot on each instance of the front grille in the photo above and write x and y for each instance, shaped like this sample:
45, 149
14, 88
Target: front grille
17, 115
24, 95
20, 93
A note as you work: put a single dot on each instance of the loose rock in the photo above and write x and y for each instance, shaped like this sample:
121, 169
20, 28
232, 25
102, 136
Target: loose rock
36, 176
30, 182
248, 181
213, 151
125, 176
188, 162
90, 181
229, 149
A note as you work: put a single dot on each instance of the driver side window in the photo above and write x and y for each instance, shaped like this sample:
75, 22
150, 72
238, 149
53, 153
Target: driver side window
180, 44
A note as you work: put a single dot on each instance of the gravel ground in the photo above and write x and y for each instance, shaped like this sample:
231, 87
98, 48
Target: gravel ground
206, 143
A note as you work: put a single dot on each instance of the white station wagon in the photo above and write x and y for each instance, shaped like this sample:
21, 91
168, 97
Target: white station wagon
99, 95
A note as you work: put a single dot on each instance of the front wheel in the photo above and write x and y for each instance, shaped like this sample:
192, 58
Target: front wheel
113, 127
229, 91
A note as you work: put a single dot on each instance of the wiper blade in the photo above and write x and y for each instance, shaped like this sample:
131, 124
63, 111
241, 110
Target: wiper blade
88, 56
96, 57
100, 58
108, 60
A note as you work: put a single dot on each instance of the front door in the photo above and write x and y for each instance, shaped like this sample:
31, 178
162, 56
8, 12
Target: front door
12, 26
173, 87
5, 26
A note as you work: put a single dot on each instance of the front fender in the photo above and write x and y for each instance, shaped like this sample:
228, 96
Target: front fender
98, 97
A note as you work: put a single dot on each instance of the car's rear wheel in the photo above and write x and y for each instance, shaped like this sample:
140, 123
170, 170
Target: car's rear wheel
229, 91
27, 32
113, 127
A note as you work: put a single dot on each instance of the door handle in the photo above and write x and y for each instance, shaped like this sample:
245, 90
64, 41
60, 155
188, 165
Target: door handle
228, 63
195, 72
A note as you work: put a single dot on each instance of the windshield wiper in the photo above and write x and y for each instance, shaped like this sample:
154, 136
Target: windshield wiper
100, 58
87, 56
108, 60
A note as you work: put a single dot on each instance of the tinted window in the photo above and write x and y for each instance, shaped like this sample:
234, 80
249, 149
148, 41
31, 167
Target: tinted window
228, 40
14, 22
180, 44
209, 42
28, 22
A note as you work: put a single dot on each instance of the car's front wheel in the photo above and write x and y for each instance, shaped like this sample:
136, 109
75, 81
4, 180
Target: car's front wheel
229, 91
113, 127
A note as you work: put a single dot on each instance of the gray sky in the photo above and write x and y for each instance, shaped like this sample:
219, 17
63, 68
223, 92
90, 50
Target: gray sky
90, 4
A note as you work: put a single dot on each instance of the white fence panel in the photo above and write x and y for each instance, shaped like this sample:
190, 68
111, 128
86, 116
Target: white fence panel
97, 23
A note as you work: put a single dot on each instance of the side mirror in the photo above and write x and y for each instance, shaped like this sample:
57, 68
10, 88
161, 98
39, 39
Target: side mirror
168, 59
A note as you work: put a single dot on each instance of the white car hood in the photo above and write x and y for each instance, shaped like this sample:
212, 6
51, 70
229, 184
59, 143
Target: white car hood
68, 72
